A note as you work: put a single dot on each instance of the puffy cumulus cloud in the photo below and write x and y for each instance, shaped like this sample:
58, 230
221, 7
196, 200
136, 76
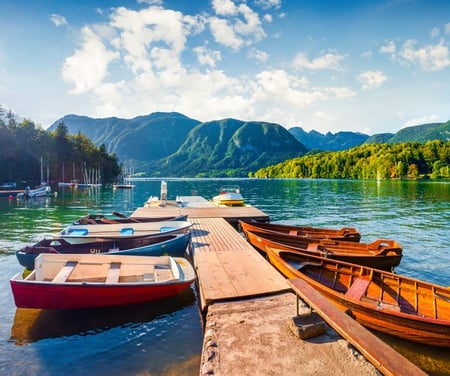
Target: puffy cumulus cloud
372, 79
206, 56
224, 7
430, 58
58, 20
135, 64
235, 25
447, 28
224, 34
88, 66
152, 32
279, 86
327, 61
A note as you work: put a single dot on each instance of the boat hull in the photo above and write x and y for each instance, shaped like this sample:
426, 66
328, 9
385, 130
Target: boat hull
345, 233
94, 281
171, 245
91, 232
404, 307
381, 254
89, 295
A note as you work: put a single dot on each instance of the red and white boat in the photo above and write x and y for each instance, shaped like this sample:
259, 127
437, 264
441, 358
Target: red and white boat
93, 281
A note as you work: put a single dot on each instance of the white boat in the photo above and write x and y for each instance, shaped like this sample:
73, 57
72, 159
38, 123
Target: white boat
229, 196
42, 191
88, 233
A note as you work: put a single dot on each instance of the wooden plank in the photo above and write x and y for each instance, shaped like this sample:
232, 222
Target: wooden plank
381, 355
227, 266
358, 288
65, 271
113, 273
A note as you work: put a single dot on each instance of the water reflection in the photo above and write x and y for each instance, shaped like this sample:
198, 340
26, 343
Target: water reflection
433, 360
32, 325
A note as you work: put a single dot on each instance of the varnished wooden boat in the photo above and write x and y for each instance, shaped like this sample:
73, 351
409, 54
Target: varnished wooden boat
401, 306
345, 233
381, 254
94, 281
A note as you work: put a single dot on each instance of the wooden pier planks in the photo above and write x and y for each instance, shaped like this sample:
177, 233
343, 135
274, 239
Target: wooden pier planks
231, 214
227, 266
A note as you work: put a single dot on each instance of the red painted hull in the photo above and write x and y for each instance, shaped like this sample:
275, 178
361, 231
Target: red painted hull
90, 295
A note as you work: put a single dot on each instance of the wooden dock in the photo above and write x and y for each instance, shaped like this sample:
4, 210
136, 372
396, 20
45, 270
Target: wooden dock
247, 303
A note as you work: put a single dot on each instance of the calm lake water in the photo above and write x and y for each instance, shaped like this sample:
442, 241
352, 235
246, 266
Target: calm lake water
166, 338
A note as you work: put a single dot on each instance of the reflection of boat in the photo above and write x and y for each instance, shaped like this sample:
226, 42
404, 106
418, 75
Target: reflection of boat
88, 233
229, 196
123, 186
171, 245
381, 254
70, 184
120, 218
404, 307
32, 325
42, 191
94, 281
275, 229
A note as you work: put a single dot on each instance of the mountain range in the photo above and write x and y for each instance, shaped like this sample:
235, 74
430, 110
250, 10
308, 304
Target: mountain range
172, 144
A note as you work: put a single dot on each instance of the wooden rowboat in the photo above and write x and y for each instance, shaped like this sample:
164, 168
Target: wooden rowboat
93, 281
345, 233
165, 244
401, 306
382, 254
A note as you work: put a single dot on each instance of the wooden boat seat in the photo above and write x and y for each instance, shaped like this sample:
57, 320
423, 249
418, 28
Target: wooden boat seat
162, 275
357, 289
113, 273
65, 271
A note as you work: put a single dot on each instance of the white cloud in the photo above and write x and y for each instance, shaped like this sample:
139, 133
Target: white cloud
372, 79
223, 33
422, 120
206, 56
58, 20
235, 25
88, 66
224, 7
258, 55
430, 58
327, 61
389, 48
268, 3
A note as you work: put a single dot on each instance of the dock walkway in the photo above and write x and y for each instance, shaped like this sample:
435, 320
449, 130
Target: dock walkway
248, 304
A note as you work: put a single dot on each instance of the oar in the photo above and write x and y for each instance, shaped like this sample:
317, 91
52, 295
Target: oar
120, 215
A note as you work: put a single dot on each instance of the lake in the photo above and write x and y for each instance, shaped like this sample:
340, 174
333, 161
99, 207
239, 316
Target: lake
166, 338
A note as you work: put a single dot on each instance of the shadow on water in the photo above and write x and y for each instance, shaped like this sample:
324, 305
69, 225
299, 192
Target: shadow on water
32, 325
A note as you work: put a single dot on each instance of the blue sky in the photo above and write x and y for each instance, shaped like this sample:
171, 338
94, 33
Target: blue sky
368, 66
